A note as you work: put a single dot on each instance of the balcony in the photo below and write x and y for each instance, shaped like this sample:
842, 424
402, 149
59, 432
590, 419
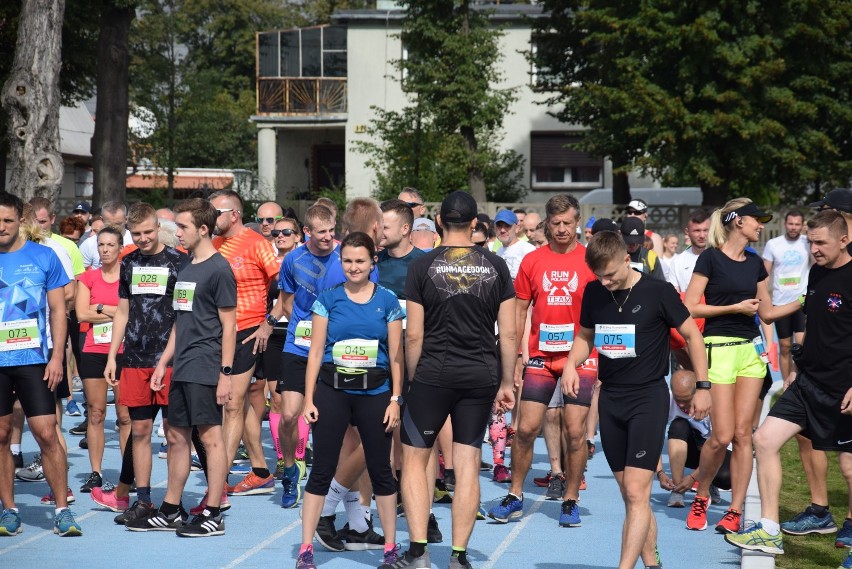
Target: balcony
301, 96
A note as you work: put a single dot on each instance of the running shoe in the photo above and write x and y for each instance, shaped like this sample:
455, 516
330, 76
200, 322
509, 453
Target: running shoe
392, 556
847, 563
164, 450
501, 473
76, 384
157, 521
730, 522
242, 456
33, 472
306, 559
362, 541
80, 429
485, 466
64, 524
291, 490
203, 525
433, 532
456, 563
72, 409
49, 500
590, 446
450, 479
583, 484
303, 469
195, 463
93, 481
755, 538
715, 497
242, 469
10, 522
844, 536
570, 515
251, 485
136, 511
279, 469
808, 522
327, 535
697, 518
84, 443
675, 500
510, 508
556, 488
442, 495
480, 513
309, 456
407, 561
544, 481
109, 500
224, 505
161, 431
18, 461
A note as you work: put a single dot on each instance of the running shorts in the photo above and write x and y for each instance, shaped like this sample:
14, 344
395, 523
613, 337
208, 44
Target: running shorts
269, 363
727, 363
633, 425
292, 373
193, 404
789, 325
541, 375
27, 384
244, 356
92, 365
426, 408
136, 388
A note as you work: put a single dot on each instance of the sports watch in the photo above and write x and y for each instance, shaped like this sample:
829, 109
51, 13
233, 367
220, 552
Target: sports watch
226, 370
270, 319
702, 385
99, 309
396, 399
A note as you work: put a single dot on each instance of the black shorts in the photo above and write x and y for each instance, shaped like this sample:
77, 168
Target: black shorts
147, 412
27, 384
806, 404
244, 358
681, 430
91, 366
293, 370
633, 425
269, 363
767, 384
426, 408
193, 405
789, 325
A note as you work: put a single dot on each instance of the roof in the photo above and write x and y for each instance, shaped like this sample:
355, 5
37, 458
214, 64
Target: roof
499, 13
185, 179
76, 128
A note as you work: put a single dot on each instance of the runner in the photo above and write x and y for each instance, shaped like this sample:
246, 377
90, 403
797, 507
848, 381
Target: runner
32, 279
513, 249
626, 317
112, 213
267, 215
202, 345
680, 271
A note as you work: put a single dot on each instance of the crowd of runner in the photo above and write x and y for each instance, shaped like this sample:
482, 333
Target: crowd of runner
381, 347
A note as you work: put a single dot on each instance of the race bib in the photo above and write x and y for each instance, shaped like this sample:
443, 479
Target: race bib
790, 281
19, 335
638, 266
149, 280
183, 295
355, 353
102, 333
555, 337
616, 341
303, 333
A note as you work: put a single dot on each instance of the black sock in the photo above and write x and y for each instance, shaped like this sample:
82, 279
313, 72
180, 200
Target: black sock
449, 471
460, 554
261, 472
417, 548
169, 510
818, 511
213, 511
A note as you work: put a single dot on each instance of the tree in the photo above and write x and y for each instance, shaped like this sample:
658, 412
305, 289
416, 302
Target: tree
32, 101
740, 98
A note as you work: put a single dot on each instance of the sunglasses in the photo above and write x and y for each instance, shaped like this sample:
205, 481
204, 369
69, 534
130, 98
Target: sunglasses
221, 211
413, 204
268, 220
287, 232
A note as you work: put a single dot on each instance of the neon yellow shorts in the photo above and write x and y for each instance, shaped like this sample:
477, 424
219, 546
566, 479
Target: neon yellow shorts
727, 363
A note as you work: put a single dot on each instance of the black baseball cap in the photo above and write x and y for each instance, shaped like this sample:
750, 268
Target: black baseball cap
750, 210
458, 207
633, 230
839, 199
604, 224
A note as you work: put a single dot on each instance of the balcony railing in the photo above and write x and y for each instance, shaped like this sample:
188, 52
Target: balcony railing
301, 96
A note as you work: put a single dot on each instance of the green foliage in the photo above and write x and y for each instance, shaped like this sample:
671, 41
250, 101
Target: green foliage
320, 11
741, 98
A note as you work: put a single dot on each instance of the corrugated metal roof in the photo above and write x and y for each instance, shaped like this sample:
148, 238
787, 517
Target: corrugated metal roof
76, 128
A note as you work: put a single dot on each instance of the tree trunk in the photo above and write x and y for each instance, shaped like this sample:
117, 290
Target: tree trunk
475, 179
31, 99
109, 149
620, 181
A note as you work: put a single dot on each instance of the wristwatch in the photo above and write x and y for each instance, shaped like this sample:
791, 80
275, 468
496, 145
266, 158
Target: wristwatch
396, 399
99, 309
226, 370
271, 320
702, 385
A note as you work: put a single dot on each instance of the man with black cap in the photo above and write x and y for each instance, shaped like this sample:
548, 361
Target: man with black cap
455, 293
840, 200
641, 259
639, 209
83, 210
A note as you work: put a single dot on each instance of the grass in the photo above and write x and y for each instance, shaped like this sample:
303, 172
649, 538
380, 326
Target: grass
812, 551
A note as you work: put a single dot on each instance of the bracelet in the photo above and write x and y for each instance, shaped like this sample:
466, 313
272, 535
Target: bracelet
659, 472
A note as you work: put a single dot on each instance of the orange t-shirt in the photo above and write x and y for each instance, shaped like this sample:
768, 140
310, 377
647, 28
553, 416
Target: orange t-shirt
252, 259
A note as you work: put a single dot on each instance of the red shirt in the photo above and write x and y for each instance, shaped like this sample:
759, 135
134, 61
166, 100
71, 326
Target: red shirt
100, 292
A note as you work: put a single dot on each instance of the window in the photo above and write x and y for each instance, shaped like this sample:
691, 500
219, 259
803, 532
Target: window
302, 52
556, 164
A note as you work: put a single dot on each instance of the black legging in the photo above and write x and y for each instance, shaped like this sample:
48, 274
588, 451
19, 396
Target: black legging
337, 410
680, 429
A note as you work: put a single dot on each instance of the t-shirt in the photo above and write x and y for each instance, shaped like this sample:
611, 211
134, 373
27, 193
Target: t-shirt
555, 283
675, 412
633, 345
666, 263
827, 356
393, 270
72, 250
349, 320
65, 259
730, 282
147, 282
252, 259
514, 254
460, 289
790, 263
26, 276
99, 336
201, 290
89, 250
681, 268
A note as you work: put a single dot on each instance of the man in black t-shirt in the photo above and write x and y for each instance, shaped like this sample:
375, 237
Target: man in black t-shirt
455, 294
627, 316
818, 404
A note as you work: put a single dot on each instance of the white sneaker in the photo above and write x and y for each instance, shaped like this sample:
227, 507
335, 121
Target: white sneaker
675, 500
161, 432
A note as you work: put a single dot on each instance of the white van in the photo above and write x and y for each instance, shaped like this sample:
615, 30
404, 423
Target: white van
651, 196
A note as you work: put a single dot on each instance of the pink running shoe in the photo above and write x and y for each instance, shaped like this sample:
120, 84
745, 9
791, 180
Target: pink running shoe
49, 500
109, 500
501, 473
224, 505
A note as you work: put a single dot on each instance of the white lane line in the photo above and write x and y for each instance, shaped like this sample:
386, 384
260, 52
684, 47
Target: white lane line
516, 531
41, 535
260, 546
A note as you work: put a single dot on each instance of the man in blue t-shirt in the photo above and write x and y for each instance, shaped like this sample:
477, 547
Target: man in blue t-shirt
398, 251
31, 281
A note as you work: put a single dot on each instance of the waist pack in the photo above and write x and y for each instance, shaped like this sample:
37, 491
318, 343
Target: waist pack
353, 378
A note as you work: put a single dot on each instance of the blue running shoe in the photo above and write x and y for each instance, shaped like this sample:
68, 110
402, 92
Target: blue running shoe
241, 469
72, 409
306, 560
570, 515
292, 491
65, 525
808, 522
10, 522
847, 563
195, 463
510, 508
164, 450
844, 536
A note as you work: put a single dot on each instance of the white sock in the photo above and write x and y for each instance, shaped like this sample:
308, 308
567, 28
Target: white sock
16, 449
368, 513
60, 509
354, 512
336, 492
772, 527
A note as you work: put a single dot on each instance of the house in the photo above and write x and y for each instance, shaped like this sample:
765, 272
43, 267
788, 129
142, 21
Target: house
316, 87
